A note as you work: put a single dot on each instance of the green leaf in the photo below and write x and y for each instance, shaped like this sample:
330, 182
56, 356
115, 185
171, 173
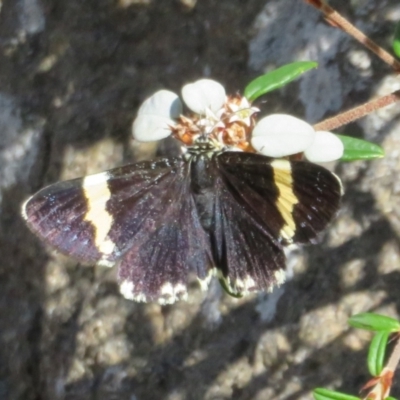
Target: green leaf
396, 40
325, 394
376, 353
357, 149
277, 78
374, 322
227, 290
390, 398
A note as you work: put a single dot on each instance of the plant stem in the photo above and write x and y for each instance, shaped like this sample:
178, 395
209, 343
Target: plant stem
357, 112
383, 383
394, 357
336, 19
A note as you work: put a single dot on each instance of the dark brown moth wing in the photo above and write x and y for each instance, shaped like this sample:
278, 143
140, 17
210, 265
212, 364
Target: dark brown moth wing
245, 233
132, 215
248, 258
57, 214
170, 244
319, 192
262, 204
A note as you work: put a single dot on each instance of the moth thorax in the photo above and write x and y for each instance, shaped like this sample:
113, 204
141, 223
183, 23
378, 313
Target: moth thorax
203, 146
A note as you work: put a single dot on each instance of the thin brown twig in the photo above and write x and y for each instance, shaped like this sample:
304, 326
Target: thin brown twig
357, 112
336, 19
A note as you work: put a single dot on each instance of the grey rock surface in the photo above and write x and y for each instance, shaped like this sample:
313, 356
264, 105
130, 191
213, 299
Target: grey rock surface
72, 75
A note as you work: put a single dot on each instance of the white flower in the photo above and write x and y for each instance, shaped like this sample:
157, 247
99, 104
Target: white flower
159, 113
230, 123
156, 115
326, 147
204, 95
280, 135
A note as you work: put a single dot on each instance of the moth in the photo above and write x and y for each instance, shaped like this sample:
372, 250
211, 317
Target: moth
208, 211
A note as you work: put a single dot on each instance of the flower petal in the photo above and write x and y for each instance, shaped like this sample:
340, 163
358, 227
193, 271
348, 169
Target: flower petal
149, 128
280, 135
204, 94
163, 104
326, 147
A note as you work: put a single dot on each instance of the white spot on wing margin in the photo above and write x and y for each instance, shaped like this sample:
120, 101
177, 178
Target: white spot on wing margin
168, 293
280, 276
340, 183
172, 293
126, 289
23, 209
247, 285
204, 283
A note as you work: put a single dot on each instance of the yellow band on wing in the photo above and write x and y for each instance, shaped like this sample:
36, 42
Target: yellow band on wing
286, 199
